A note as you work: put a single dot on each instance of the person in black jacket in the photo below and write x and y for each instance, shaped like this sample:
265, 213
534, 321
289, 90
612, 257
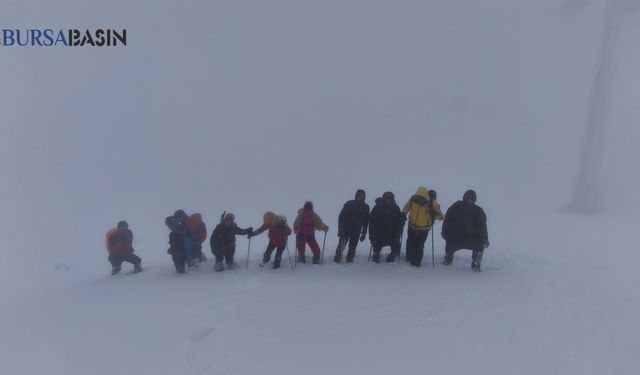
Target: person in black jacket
353, 222
177, 248
386, 224
465, 227
223, 241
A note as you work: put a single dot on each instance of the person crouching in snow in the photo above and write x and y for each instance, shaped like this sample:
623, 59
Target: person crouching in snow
279, 232
119, 243
305, 225
223, 241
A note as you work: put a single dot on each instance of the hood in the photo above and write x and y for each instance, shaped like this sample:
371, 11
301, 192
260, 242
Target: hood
423, 192
360, 192
269, 218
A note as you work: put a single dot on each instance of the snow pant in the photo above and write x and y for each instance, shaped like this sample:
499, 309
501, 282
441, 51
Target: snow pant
452, 246
395, 248
352, 241
116, 260
302, 241
415, 245
267, 254
225, 253
179, 261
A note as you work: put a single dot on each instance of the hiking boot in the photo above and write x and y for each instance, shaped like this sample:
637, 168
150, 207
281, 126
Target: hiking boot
219, 266
375, 258
231, 265
349, 259
137, 268
266, 258
115, 270
337, 258
447, 260
391, 258
477, 260
302, 258
316, 259
191, 262
276, 263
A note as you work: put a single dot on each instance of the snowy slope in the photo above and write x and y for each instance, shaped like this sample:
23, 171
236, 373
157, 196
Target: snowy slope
553, 302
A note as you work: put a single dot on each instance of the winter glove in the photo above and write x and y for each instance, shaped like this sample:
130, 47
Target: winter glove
486, 243
326, 229
363, 236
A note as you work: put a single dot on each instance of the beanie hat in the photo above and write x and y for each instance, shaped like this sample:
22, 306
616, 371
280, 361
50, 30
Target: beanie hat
123, 225
470, 194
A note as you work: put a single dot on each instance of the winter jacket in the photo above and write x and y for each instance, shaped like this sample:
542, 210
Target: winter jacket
225, 235
307, 224
466, 223
421, 210
353, 219
119, 241
176, 244
385, 222
278, 233
197, 227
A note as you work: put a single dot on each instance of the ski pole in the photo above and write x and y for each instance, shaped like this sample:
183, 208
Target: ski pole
433, 257
289, 255
248, 251
323, 243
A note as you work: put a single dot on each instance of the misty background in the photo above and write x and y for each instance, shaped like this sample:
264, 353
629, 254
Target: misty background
249, 106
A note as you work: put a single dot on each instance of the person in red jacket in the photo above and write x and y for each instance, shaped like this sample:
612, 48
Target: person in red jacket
279, 232
119, 243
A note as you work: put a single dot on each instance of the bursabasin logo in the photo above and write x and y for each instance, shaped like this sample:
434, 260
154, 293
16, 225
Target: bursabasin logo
63, 38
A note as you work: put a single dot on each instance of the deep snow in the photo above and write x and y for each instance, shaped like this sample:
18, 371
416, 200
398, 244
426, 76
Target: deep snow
558, 300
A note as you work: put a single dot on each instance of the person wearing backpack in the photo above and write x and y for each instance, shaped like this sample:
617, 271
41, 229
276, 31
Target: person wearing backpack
278, 234
198, 232
119, 242
177, 248
353, 222
223, 241
421, 210
465, 227
386, 224
305, 225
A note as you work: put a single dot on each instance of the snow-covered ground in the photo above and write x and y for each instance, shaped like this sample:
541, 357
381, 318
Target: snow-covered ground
555, 299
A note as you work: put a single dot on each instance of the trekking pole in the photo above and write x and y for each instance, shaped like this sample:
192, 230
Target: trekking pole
248, 251
323, 243
433, 257
370, 251
289, 255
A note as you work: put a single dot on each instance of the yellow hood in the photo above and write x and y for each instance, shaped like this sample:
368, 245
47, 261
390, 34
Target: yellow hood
423, 192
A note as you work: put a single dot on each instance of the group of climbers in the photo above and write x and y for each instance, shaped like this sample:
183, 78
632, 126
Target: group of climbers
464, 227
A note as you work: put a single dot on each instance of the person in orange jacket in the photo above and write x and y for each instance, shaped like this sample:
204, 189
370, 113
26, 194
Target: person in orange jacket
119, 243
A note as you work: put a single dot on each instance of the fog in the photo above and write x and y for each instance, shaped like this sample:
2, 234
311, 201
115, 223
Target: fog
249, 106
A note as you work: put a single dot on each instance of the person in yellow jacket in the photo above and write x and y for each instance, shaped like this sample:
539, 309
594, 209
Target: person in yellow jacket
421, 210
